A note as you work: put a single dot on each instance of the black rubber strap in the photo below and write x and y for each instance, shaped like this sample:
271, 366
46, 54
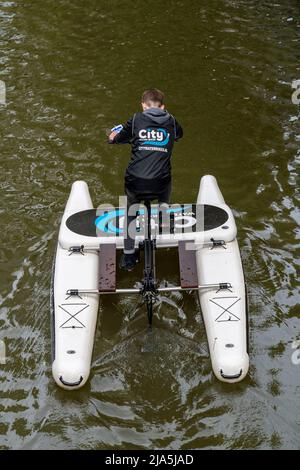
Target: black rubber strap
132, 127
231, 377
71, 384
174, 121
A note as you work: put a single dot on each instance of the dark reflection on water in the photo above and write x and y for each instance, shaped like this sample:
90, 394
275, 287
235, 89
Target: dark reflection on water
71, 70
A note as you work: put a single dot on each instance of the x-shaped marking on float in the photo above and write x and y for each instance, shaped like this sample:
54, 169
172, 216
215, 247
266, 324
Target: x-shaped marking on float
73, 316
226, 310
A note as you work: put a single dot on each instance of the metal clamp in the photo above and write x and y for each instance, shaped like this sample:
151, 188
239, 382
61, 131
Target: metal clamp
217, 243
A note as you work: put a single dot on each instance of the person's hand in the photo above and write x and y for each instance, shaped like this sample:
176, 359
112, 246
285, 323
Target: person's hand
114, 131
112, 135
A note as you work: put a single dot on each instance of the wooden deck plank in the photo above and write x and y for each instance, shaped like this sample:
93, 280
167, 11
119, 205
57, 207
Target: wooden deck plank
188, 266
107, 267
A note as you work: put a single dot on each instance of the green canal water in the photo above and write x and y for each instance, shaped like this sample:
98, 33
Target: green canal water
71, 70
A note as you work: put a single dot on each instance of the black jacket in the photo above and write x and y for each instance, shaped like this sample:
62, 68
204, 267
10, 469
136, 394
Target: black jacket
151, 134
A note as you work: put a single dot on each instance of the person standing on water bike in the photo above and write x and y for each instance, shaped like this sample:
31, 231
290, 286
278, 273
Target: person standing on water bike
152, 134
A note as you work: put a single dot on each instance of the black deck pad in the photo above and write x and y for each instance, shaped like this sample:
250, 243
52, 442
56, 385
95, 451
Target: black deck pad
188, 218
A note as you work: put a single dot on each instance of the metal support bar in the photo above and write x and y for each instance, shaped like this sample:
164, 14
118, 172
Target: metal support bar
213, 243
221, 286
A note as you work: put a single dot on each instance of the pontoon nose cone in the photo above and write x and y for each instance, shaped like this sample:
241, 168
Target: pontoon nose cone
70, 376
232, 369
72, 384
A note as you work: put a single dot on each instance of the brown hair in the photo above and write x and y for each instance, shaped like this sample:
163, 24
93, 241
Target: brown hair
153, 96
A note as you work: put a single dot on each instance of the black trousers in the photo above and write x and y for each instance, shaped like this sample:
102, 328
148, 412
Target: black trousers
134, 198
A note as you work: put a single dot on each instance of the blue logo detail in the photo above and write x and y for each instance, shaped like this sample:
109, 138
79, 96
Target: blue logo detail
105, 222
157, 137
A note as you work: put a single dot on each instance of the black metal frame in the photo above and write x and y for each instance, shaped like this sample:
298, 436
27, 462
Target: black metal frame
149, 287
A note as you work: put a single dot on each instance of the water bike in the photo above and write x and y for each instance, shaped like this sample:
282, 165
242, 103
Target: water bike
204, 234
